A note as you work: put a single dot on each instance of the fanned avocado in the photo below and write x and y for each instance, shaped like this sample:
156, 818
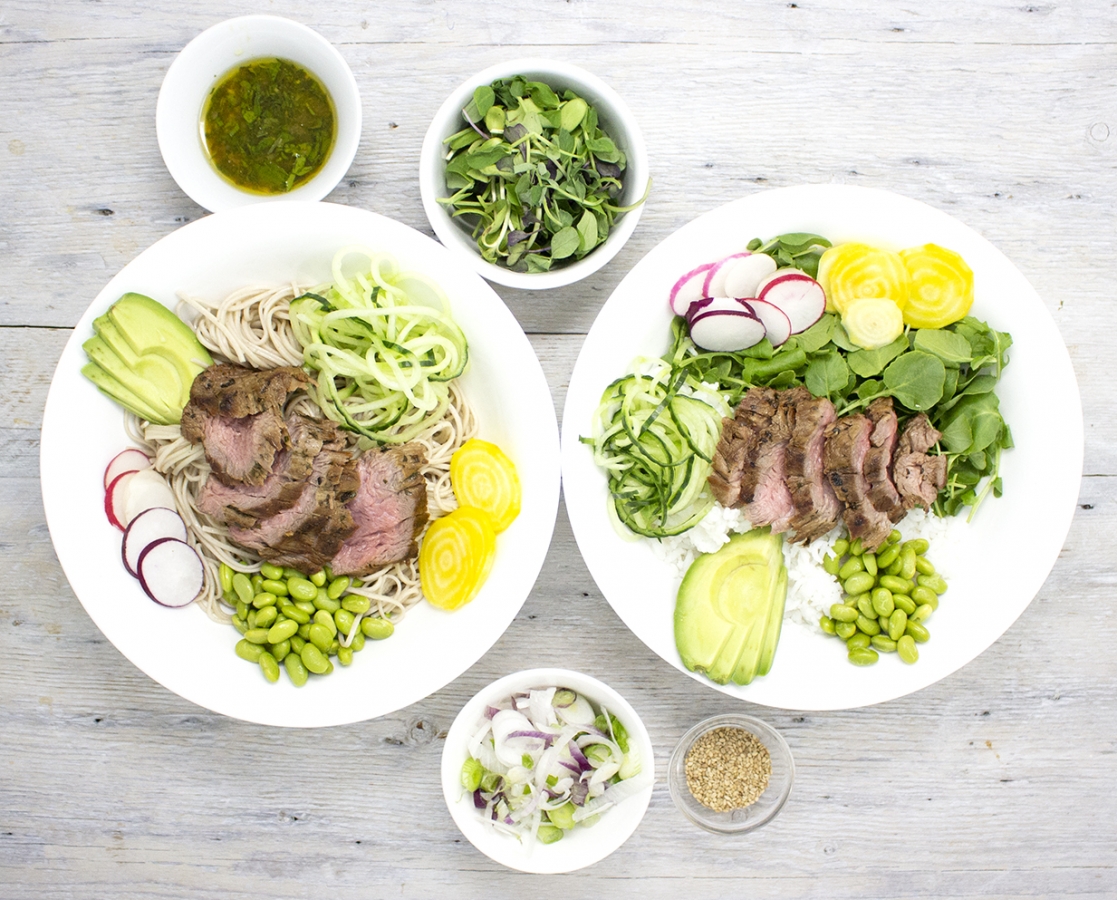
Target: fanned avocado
145, 357
730, 608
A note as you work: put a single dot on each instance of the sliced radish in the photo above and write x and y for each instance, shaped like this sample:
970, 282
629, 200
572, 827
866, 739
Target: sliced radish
688, 289
713, 304
116, 499
742, 278
777, 326
798, 295
714, 285
147, 489
726, 330
130, 460
170, 572
148, 527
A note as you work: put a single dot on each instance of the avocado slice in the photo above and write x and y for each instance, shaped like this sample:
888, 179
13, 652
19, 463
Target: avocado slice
726, 624
124, 371
118, 392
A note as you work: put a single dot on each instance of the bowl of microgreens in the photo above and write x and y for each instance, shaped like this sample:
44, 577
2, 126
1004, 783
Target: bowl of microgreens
535, 170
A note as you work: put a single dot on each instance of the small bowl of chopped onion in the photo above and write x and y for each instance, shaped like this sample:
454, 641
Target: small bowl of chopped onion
731, 774
538, 183
547, 770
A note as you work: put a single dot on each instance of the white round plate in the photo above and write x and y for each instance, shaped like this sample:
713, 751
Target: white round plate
183, 649
1005, 554
579, 847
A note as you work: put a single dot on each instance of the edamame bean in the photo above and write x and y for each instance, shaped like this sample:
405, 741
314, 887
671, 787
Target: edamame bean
269, 667
302, 589
344, 620
280, 650
883, 644
894, 568
922, 613
275, 586
358, 642
924, 566
225, 576
292, 612
907, 564
339, 586
272, 573
887, 556
831, 565
851, 567
376, 628
318, 579
324, 619
893, 537
306, 606
897, 622
905, 646
264, 599
282, 631
248, 650
826, 624
904, 602
251, 618
356, 604
882, 621
858, 641
863, 657
918, 545
320, 637
345, 656
867, 625
322, 601
865, 606
870, 560
257, 580
297, 643
844, 630
883, 602
266, 617
896, 585
855, 548
242, 609
240, 624
918, 633
296, 669
314, 660
922, 595
840, 548
335, 645
242, 585
304, 631
933, 582
859, 583
256, 635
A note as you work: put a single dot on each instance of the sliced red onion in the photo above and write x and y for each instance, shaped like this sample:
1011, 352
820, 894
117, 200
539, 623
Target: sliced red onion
478, 800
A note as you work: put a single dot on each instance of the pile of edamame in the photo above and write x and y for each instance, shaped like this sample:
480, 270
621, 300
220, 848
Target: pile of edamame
889, 596
297, 620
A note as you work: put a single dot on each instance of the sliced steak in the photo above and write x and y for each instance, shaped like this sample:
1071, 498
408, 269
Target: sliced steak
389, 509
847, 443
878, 459
245, 504
770, 502
918, 477
816, 506
236, 414
733, 480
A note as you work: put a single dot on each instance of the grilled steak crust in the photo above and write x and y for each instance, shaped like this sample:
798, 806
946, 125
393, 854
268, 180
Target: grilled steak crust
847, 443
389, 509
228, 390
918, 477
816, 506
878, 459
771, 503
734, 478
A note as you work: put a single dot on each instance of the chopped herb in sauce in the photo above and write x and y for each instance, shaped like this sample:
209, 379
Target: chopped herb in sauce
268, 126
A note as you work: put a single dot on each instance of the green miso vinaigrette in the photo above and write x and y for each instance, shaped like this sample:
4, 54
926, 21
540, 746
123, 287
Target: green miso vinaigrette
268, 126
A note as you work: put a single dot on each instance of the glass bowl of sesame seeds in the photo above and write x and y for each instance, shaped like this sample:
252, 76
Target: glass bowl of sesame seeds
730, 774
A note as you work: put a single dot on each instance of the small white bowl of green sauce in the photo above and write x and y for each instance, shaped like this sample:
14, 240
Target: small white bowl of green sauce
258, 108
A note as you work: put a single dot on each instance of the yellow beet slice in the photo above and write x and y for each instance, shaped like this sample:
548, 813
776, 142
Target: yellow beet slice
484, 477
941, 286
873, 322
854, 271
456, 557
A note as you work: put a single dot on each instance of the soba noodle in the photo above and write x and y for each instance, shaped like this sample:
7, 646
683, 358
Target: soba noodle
252, 327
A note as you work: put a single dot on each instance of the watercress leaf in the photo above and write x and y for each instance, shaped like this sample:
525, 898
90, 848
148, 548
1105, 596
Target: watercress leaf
869, 363
587, 232
827, 374
916, 379
564, 243
974, 424
953, 349
980, 384
841, 338
818, 335
870, 388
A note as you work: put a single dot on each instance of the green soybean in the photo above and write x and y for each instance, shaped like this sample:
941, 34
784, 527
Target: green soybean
295, 614
264, 599
314, 660
248, 650
840, 548
896, 585
323, 618
922, 613
306, 606
867, 625
320, 637
345, 656
918, 545
831, 565
863, 657
851, 567
257, 580
269, 667
859, 640
251, 618
339, 586
865, 606
256, 635
855, 548
894, 568
282, 631
297, 643
859, 583
272, 573
275, 586
376, 628
225, 576
826, 624
242, 609
240, 624
924, 566
897, 623
933, 582
322, 601
883, 603
893, 536
242, 584
845, 630
883, 644
358, 642
887, 556
266, 617
344, 620
870, 560
922, 595
918, 632
356, 604
301, 588
905, 646
318, 579
839, 612
296, 668
304, 631
280, 650
907, 564
904, 602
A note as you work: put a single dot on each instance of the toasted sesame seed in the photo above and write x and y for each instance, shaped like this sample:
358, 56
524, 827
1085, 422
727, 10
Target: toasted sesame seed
727, 768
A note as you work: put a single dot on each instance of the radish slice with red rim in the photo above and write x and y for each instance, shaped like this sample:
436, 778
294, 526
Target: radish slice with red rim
777, 326
743, 276
147, 490
726, 331
714, 285
171, 572
116, 498
688, 289
130, 460
798, 295
714, 304
148, 527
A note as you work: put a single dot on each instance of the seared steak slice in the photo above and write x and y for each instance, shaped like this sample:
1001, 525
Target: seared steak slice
918, 477
878, 459
816, 506
770, 502
308, 534
245, 504
847, 443
236, 414
389, 509
733, 480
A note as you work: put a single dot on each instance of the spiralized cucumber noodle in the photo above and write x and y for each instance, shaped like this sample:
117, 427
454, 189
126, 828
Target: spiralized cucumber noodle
253, 327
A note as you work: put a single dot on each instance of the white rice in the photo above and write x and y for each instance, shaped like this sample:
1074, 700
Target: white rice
811, 591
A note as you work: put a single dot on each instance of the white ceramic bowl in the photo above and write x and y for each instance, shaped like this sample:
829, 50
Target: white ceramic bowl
616, 120
210, 55
579, 847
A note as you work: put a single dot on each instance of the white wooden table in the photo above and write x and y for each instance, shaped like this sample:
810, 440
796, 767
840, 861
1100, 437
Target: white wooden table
998, 781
